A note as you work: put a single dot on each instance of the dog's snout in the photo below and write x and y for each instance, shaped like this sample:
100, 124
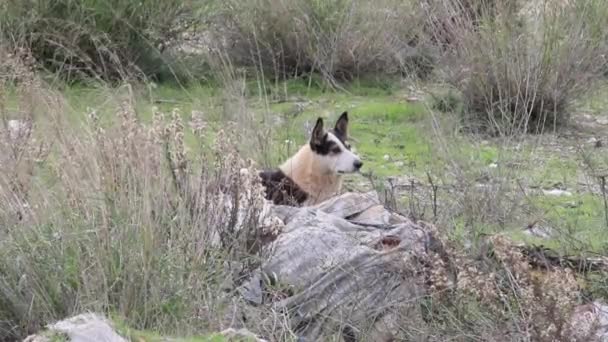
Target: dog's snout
358, 164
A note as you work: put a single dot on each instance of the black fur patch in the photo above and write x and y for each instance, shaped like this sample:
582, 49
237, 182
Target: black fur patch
324, 147
341, 136
282, 190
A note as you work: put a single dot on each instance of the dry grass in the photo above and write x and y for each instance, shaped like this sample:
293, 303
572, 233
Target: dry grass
521, 67
338, 39
495, 295
121, 218
111, 39
118, 218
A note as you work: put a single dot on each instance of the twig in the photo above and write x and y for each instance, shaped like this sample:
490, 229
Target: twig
434, 189
603, 187
158, 101
543, 257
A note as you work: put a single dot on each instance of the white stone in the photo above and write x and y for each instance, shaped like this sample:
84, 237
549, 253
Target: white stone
543, 232
87, 327
18, 128
557, 192
602, 121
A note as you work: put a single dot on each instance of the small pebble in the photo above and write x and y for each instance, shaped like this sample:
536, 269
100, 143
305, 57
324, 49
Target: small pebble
557, 192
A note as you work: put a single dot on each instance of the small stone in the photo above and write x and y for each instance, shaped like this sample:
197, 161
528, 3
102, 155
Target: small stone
37, 338
18, 129
87, 327
386, 157
493, 165
557, 192
399, 164
572, 205
602, 121
543, 232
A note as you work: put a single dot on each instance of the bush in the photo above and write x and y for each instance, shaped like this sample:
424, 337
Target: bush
108, 38
338, 38
116, 217
520, 69
446, 101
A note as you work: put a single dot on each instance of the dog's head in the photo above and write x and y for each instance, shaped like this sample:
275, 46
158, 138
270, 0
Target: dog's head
331, 149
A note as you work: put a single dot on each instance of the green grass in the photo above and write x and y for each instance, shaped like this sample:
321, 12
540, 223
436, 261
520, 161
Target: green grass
54, 337
576, 223
555, 171
393, 136
596, 102
146, 336
382, 124
578, 220
379, 125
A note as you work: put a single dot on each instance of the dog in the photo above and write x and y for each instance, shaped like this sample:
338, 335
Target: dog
314, 173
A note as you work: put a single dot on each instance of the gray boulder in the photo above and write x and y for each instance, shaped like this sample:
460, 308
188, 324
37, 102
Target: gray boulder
353, 268
88, 327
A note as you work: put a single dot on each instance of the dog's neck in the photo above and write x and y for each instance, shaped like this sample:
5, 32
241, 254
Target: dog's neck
319, 184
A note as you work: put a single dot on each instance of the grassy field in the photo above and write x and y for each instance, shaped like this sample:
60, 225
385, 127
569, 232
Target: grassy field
417, 157
403, 140
106, 205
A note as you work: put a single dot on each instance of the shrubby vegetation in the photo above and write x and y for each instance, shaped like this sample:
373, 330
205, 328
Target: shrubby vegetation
112, 212
518, 65
521, 67
90, 38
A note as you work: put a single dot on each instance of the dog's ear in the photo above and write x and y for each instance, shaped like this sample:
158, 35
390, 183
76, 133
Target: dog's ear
318, 133
342, 126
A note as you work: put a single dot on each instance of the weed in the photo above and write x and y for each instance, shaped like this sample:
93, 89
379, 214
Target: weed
519, 71
109, 39
338, 39
121, 218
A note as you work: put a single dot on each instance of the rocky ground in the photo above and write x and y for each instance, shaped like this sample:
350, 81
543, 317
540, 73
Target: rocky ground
354, 269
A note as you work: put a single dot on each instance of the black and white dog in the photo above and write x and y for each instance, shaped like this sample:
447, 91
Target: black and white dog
314, 173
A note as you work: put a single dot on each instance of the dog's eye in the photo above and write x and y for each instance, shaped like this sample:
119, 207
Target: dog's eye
336, 150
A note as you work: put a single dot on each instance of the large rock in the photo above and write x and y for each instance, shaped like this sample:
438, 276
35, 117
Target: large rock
82, 328
353, 268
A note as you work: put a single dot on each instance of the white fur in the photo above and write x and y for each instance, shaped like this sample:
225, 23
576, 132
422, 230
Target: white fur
320, 176
344, 162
